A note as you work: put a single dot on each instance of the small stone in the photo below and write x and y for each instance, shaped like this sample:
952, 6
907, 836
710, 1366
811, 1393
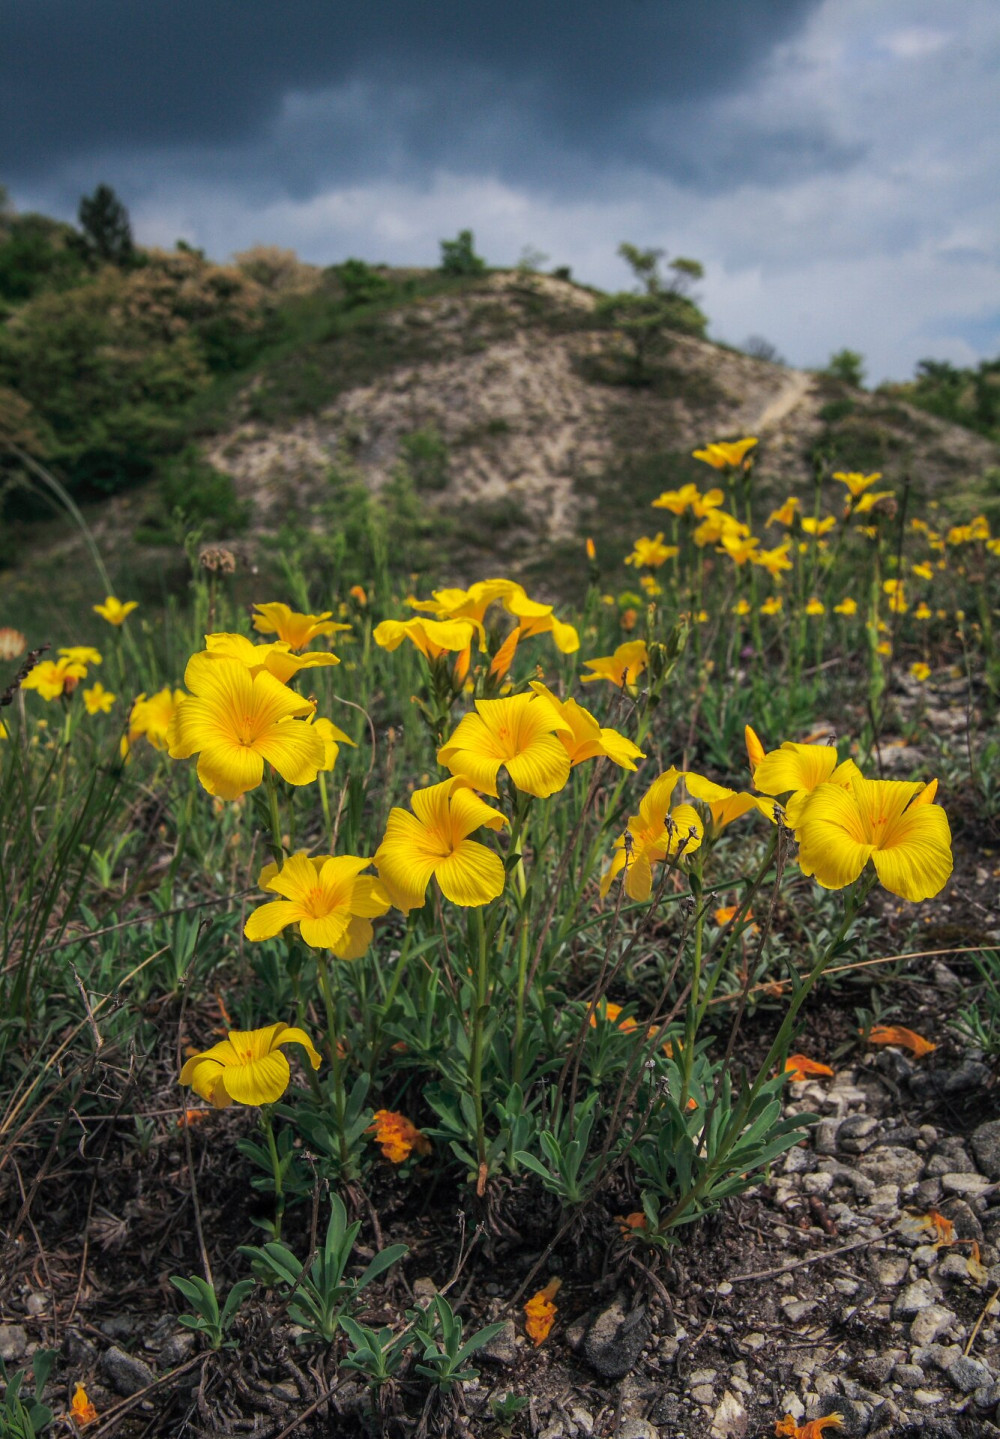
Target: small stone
502, 1348
818, 1183
927, 1397
953, 1266
967, 1374
966, 1222
825, 1136
755, 1340
615, 1339
890, 1269
911, 1376
796, 1309
730, 1420
177, 1348
985, 1145
575, 1333
936, 1356
668, 1347
847, 1287
884, 1165
724, 1289
858, 1133
931, 1323
582, 1418
964, 1185
703, 1394
13, 1342
424, 1290
702, 1376
875, 1370
986, 1397
553, 1431
36, 1304
915, 1296
637, 1429
856, 1414
126, 1374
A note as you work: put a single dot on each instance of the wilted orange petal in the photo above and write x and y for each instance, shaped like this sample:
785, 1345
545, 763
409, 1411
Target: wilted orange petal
800, 1066
192, 1116
906, 1038
539, 1312
788, 1428
81, 1408
629, 1223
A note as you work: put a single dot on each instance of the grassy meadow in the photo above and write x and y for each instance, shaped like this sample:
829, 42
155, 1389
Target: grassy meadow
382, 959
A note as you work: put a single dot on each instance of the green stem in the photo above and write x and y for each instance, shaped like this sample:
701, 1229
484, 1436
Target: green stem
272, 1148
277, 848
336, 1063
691, 1026
476, 1048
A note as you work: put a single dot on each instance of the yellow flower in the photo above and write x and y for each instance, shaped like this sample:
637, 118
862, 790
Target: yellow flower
883, 648
651, 586
815, 607
725, 805
856, 483
741, 607
237, 721
739, 548
433, 842
297, 630
54, 678
890, 822
518, 733
846, 607
590, 549
755, 750
796, 770
329, 899
114, 611
920, 671
651, 552
725, 455
584, 738
786, 514
433, 638
4, 732
98, 699
923, 571
397, 1136
922, 612
771, 606
81, 654
813, 526
471, 604
248, 1067
332, 738
277, 658
655, 834
689, 497
775, 560
715, 525
896, 591
625, 666
151, 718
871, 501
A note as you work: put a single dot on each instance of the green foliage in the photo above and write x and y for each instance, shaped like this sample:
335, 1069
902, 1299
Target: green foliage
363, 284
848, 366
105, 228
319, 1295
377, 1354
36, 254
425, 455
969, 397
458, 256
444, 1355
197, 496
27, 1417
207, 1318
645, 318
978, 1022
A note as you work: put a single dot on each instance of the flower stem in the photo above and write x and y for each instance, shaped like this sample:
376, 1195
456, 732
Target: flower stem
476, 1048
279, 1192
336, 1064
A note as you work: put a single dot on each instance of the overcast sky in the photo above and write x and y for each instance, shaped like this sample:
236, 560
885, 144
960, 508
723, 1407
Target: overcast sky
834, 164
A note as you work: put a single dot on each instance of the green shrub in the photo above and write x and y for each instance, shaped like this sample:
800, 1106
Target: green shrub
458, 257
202, 497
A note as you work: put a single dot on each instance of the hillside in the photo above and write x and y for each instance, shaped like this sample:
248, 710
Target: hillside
497, 420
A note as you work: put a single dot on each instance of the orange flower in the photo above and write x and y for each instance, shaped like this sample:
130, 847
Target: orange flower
812, 1430
398, 1136
629, 1223
192, 1116
610, 1012
896, 1034
941, 1227
81, 1408
539, 1312
798, 1067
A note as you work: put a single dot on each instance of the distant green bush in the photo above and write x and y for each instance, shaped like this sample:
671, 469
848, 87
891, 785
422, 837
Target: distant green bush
201, 497
36, 255
425, 455
848, 366
458, 256
362, 284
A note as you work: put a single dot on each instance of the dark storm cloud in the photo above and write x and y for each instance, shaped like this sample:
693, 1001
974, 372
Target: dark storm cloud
293, 95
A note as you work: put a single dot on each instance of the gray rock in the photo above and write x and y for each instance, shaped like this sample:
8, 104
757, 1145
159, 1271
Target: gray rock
731, 1420
857, 1134
915, 1296
177, 1348
13, 1342
985, 1143
967, 1374
126, 1374
931, 1323
582, 1418
875, 1370
825, 1136
890, 1269
966, 1222
936, 1356
884, 1165
80, 1352
966, 1186
911, 1376
502, 1348
637, 1429
615, 1339
986, 1397
856, 1414
119, 1326
954, 1266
